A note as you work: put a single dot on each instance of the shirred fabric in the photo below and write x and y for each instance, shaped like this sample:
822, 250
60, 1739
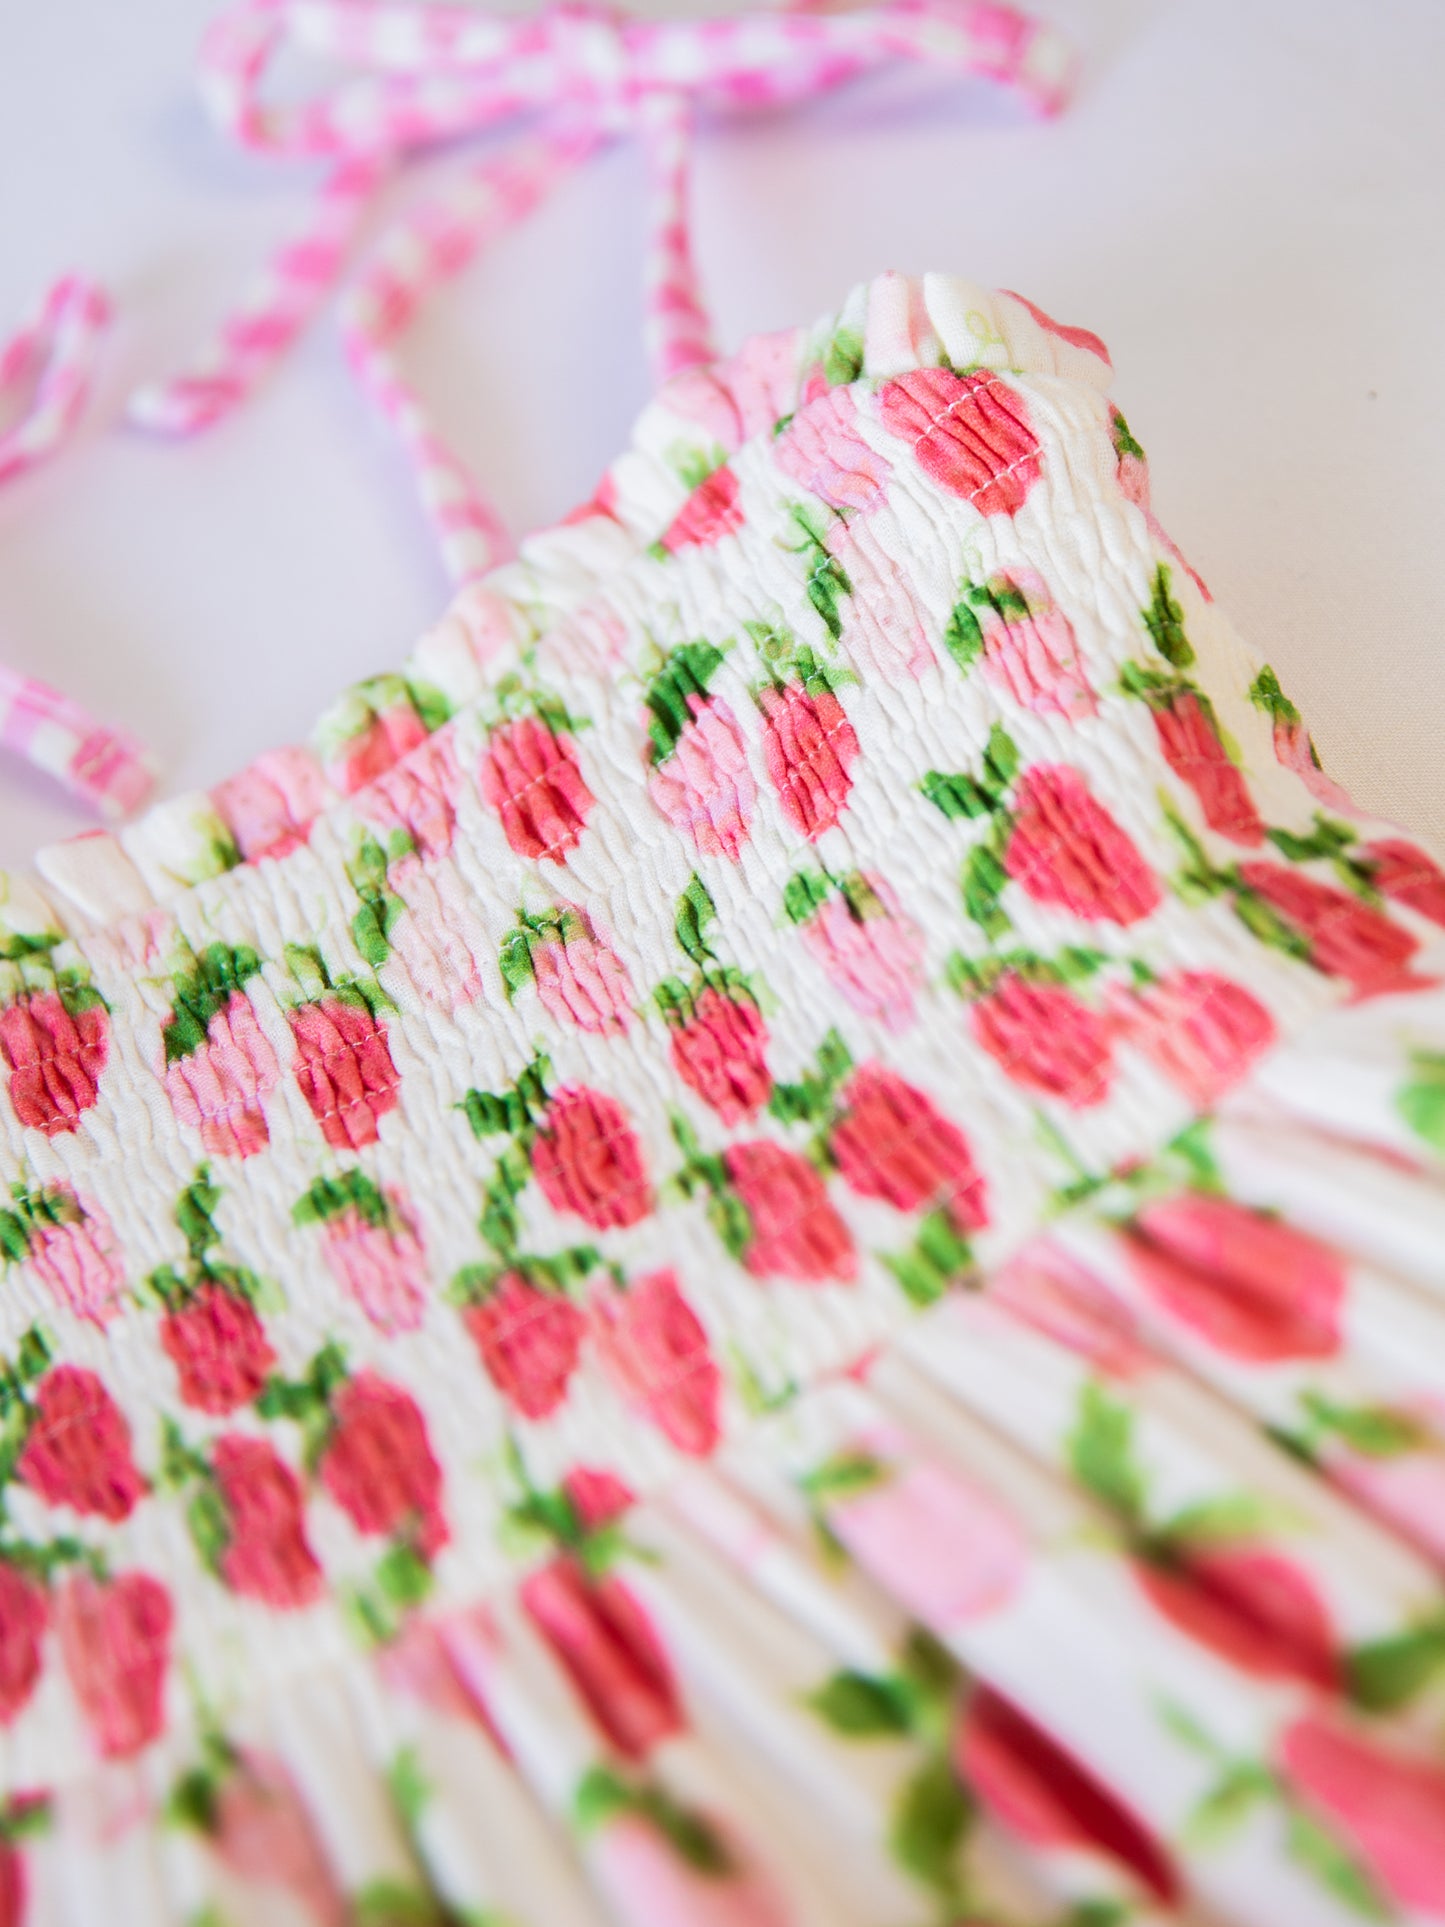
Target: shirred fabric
762, 1248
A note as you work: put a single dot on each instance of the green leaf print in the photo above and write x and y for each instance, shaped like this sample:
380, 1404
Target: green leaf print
1322, 1855
963, 636
219, 971
862, 1705
1124, 442
410, 1788
1265, 693
1164, 619
1228, 1803
843, 358
930, 1823
670, 696
1101, 1453
1421, 1102
984, 878
1376, 1431
1388, 1673
957, 795
696, 913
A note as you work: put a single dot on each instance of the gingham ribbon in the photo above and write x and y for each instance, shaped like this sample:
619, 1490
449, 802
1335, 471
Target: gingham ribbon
45, 376
422, 75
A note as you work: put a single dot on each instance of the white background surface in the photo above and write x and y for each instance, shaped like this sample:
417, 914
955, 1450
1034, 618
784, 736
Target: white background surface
1247, 201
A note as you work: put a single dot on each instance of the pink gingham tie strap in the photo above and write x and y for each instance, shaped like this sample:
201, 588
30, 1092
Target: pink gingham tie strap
432, 73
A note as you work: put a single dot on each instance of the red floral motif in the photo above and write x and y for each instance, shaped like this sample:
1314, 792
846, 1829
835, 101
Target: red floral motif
809, 747
1390, 1806
529, 1341
1204, 1032
266, 1555
708, 514
611, 1654
219, 1348
1190, 741
588, 1160
259, 1827
1066, 850
871, 950
1035, 1790
721, 1053
380, 1265
24, 1613
971, 433
1346, 938
55, 1059
1406, 875
387, 736
1028, 644
115, 1641
597, 1496
892, 1142
1252, 1287
77, 1451
14, 1886
1046, 1039
219, 1087
379, 1467
1046, 1287
655, 1349
705, 785
344, 1069
418, 797
794, 1231
531, 777
1253, 1608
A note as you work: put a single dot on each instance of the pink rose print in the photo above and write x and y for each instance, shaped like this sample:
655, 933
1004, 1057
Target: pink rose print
219, 1348
1406, 1489
1046, 1039
378, 1464
1202, 1031
1025, 644
418, 797
55, 1045
529, 1340
870, 950
1293, 747
610, 1652
343, 1064
579, 978
373, 1248
1075, 337
220, 1065
264, 1554
70, 1247
1252, 1287
809, 747
1406, 875
439, 941
710, 512
944, 1549
376, 723
881, 620
823, 450
24, 1614
597, 1496
719, 1050
651, 1883
531, 777
1066, 850
1344, 937
655, 1350
1042, 1795
115, 1642
1047, 1288
588, 1160
269, 806
1390, 1806
970, 433
892, 1142
699, 777
77, 1450
793, 1231
1253, 1608
1134, 486
1189, 737
258, 1826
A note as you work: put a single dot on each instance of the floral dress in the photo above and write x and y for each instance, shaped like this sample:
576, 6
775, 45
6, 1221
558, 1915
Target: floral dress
765, 1249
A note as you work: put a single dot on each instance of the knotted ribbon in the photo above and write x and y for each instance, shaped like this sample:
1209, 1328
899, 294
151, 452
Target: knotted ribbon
424, 75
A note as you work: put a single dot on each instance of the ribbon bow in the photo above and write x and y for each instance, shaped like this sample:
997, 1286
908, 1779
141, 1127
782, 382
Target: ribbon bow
421, 75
